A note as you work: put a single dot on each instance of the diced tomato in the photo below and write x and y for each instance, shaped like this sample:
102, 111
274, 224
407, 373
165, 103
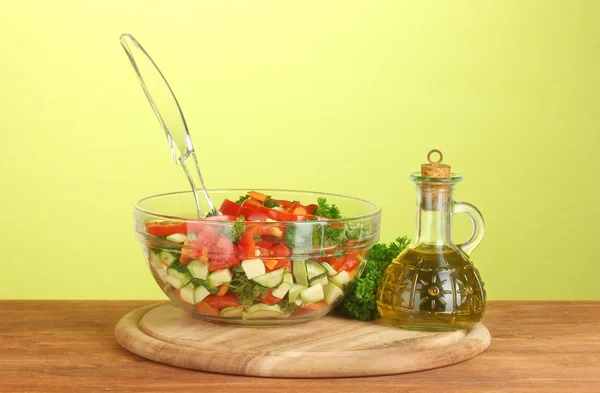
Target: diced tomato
337, 263
279, 250
220, 263
346, 262
247, 243
264, 252
230, 208
269, 299
206, 239
166, 228
223, 255
269, 230
220, 302
264, 244
271, 239
206, 309
351, 263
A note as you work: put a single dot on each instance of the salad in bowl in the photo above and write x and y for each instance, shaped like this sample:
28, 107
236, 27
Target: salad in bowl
266, 257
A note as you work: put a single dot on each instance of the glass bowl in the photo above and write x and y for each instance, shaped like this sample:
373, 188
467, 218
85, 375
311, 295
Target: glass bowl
264, 268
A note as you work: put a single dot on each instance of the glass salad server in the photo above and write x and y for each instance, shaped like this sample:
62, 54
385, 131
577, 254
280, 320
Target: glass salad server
169, 114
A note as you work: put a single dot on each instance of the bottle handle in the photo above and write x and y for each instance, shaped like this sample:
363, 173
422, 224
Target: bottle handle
478, 225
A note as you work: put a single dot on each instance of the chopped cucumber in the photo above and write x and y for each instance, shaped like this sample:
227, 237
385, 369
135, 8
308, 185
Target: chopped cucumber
179, 272
162, 273
319, 280
299, 301
200, 293
288, 277
218, 277
332, 293
282, 289
176, 283
331, 271
300, 273
341, 279
271, 279
313, 294
177, 238
198, 269
295, 290
154, 260
232, 312
168, 257
253, 268
187, 293
314, 269
263, 311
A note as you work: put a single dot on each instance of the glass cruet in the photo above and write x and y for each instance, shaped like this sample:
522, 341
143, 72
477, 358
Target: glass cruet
432, 285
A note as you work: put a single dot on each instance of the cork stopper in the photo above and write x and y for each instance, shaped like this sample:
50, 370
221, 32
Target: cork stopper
435, 169
435, 195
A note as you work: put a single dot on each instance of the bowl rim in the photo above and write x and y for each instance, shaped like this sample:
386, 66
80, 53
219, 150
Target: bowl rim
375, 212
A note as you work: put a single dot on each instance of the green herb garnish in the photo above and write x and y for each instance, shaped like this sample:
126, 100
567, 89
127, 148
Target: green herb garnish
326, 210
246, 290
238, 229
270, 202
241, 199
212, 213
290, 236
286, 305
360, 303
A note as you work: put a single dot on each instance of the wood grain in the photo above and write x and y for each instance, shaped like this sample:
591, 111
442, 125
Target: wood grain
328, 347
69, 346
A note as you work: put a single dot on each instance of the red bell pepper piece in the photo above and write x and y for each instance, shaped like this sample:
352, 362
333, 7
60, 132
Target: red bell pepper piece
251, 214
205, 224
285, 205
206, 309
220, 302
281, 263
272, 213
269, 299
230, 208
247, 243
165, 228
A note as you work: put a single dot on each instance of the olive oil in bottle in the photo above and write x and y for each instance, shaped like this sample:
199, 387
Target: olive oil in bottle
430, 288
432, 285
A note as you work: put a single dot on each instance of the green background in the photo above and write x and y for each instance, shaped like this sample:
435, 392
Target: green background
343, 97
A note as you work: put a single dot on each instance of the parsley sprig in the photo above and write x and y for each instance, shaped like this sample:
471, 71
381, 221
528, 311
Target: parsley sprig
326, 210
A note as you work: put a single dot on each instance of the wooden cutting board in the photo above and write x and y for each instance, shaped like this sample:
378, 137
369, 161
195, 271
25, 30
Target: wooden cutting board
325, 348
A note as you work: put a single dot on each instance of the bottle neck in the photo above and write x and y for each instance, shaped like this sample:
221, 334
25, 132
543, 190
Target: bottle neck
434, 222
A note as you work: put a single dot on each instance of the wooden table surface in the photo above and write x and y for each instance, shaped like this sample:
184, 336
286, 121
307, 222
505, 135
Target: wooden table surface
69, 346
